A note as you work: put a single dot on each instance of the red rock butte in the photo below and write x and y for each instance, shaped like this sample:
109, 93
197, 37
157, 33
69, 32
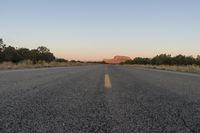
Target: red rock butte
117, 59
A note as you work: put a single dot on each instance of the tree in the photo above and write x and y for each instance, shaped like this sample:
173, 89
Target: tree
43, 49
1, 41
162, 59
189, 60
45, 54
140, 60
23, 53
1, 50
10, 54
34, 55
48, 57
198, 60
2, 45
179, 60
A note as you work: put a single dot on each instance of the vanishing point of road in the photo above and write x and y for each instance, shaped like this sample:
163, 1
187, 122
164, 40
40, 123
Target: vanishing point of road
99, 99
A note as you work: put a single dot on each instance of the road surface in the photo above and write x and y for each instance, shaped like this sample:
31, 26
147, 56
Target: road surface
99, 99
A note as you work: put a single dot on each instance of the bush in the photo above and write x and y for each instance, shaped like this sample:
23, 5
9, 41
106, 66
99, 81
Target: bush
61, 60
165, 59
12, 54
162, 59
139, 60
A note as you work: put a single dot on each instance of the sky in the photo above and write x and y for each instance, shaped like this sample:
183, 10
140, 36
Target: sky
97, 29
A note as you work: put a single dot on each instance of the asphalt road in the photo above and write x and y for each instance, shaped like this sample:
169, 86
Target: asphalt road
99, 98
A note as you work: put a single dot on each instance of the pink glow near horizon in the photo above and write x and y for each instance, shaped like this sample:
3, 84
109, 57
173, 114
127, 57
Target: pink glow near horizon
86, 51
100, 57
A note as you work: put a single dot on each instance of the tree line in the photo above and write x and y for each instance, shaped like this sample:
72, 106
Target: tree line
15, 55
165, 59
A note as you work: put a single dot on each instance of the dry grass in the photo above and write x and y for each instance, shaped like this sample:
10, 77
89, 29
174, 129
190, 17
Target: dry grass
189, 68
40, 64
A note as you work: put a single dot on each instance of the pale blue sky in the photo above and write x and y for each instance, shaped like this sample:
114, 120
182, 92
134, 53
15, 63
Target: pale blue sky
96, 29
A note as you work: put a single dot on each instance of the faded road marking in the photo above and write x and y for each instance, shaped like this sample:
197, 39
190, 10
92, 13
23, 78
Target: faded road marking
107, 82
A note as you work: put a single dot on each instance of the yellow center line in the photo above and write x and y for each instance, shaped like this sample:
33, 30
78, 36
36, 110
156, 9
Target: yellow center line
107, 82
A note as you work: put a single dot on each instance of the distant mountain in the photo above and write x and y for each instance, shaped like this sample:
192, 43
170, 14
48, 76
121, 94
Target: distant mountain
117, 59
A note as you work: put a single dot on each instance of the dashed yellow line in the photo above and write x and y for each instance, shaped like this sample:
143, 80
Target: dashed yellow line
107, 82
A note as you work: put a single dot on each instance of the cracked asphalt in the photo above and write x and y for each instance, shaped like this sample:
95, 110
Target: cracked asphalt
75, 100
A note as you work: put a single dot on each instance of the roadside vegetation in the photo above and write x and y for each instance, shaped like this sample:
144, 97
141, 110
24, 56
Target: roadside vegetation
167, 62
16, 58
